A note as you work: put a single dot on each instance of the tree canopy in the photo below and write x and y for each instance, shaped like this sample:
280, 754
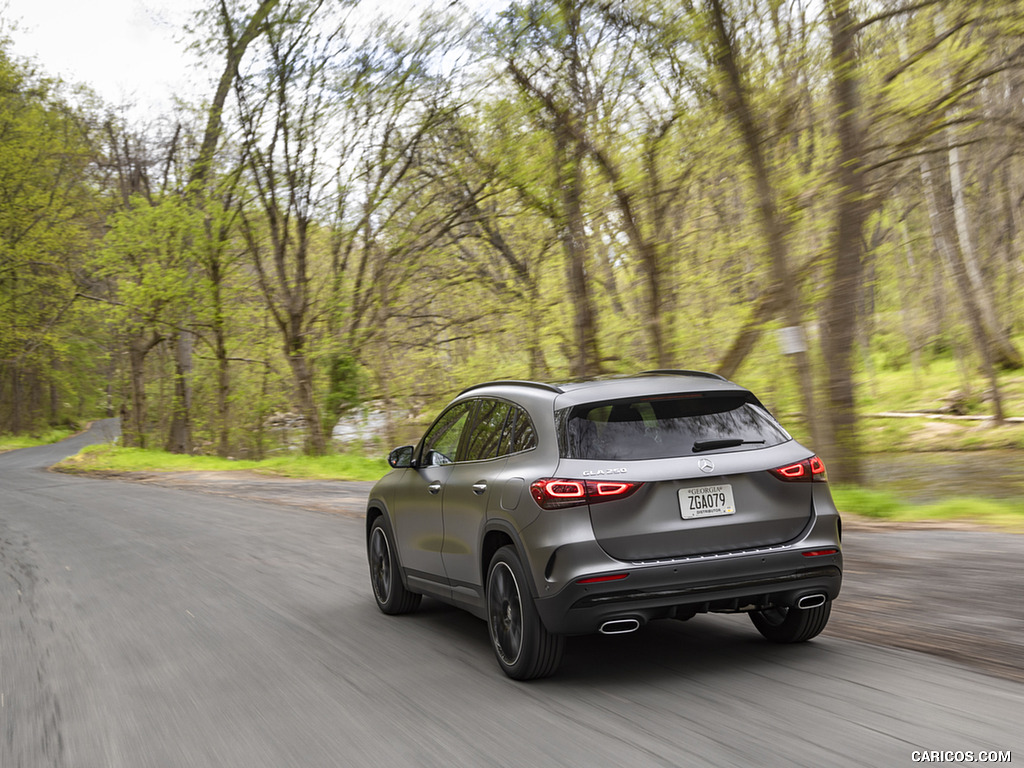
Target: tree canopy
776, 190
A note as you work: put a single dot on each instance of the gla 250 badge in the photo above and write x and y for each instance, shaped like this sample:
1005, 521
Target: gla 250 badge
616, 471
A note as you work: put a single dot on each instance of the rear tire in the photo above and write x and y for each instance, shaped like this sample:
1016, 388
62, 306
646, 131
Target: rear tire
791, 625
388, 590
524, 648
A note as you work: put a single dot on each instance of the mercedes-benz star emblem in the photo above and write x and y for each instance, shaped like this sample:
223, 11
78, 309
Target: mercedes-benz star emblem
706, 465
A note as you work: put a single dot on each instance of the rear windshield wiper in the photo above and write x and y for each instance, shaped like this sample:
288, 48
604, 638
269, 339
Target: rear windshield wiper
731, 442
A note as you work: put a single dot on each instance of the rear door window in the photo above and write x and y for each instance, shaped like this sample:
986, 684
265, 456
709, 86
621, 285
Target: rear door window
484, 442
666, 426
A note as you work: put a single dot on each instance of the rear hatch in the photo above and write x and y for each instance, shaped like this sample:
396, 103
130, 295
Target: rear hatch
698, 469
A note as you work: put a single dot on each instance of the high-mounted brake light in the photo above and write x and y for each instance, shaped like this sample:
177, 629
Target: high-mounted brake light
806, 471
557, 493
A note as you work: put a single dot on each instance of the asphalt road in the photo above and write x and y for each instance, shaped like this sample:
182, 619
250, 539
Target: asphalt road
150, 626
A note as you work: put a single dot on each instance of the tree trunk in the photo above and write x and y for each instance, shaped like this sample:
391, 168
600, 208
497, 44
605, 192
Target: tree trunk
179, 439
585, 359
1004, 354
134, 431
772, 223
768, 306
223, 395
316, 444
133, 434
235, 50
940, 215
842, 440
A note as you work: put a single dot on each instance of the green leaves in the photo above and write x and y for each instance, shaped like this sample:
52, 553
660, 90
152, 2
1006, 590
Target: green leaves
47, 206
448, 201
149, 257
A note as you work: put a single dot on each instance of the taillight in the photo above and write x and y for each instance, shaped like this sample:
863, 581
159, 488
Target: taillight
556, 493
806, 471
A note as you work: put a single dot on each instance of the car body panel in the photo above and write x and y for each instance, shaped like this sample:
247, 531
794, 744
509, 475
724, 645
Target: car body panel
467, 495
650, 524
419, 523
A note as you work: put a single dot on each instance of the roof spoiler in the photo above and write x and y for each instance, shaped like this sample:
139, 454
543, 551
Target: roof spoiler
516, 382
681, 372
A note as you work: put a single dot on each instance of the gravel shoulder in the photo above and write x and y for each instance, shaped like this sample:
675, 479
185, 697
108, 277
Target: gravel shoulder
944, 588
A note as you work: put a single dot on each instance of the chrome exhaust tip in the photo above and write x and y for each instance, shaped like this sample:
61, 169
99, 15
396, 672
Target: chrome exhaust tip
810, 601
619, 627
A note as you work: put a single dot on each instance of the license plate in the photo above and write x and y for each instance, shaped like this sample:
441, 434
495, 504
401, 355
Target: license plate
706, 501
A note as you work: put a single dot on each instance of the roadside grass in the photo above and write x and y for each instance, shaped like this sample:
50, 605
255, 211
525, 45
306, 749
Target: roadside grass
1007, 514
932, 385
14, 442
885, 505
883, 435
110, 458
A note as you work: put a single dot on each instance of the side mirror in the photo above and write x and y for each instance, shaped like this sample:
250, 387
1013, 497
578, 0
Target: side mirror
401, 458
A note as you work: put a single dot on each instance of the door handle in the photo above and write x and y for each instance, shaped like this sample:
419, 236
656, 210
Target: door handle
434, 487
479, 488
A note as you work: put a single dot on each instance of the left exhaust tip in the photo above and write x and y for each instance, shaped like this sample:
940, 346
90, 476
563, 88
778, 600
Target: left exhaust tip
620, 626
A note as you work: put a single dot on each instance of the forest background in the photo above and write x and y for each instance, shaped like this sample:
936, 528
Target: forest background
803, 195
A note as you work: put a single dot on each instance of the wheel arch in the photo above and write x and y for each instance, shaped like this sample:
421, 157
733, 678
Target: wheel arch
376, 510
373, 511
498, 534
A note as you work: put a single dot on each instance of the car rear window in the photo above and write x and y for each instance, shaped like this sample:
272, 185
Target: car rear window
666, 426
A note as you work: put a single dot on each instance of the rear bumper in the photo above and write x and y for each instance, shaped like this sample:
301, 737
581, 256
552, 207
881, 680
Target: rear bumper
731, 582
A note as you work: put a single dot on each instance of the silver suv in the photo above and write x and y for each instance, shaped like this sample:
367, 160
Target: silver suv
552, 510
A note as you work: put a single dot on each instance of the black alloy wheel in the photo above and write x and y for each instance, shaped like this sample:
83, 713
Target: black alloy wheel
389, 591
523, 646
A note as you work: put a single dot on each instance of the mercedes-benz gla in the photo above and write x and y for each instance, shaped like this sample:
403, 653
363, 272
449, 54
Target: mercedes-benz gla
560, 509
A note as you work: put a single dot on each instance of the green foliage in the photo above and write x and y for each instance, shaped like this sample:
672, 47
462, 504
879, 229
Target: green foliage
45, 437
411, 185
891, 351
343, 376
887, 506
867, 502
148, 258
113, 459
48, 205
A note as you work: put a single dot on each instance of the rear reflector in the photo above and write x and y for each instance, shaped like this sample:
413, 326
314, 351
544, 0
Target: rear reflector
600, 579
821, 552
806, 471
558, 493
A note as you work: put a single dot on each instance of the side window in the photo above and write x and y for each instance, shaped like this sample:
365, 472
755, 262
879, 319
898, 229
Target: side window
442, 441
484, 441
508, 431
524, 437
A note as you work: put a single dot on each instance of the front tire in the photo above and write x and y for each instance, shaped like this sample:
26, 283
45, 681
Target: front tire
524, 648
388, 590
791, 625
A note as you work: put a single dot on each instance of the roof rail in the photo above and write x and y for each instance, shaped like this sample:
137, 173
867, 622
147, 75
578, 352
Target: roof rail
515, 382
675, 372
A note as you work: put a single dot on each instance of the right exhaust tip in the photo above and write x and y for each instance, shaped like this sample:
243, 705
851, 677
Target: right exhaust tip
810, 601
